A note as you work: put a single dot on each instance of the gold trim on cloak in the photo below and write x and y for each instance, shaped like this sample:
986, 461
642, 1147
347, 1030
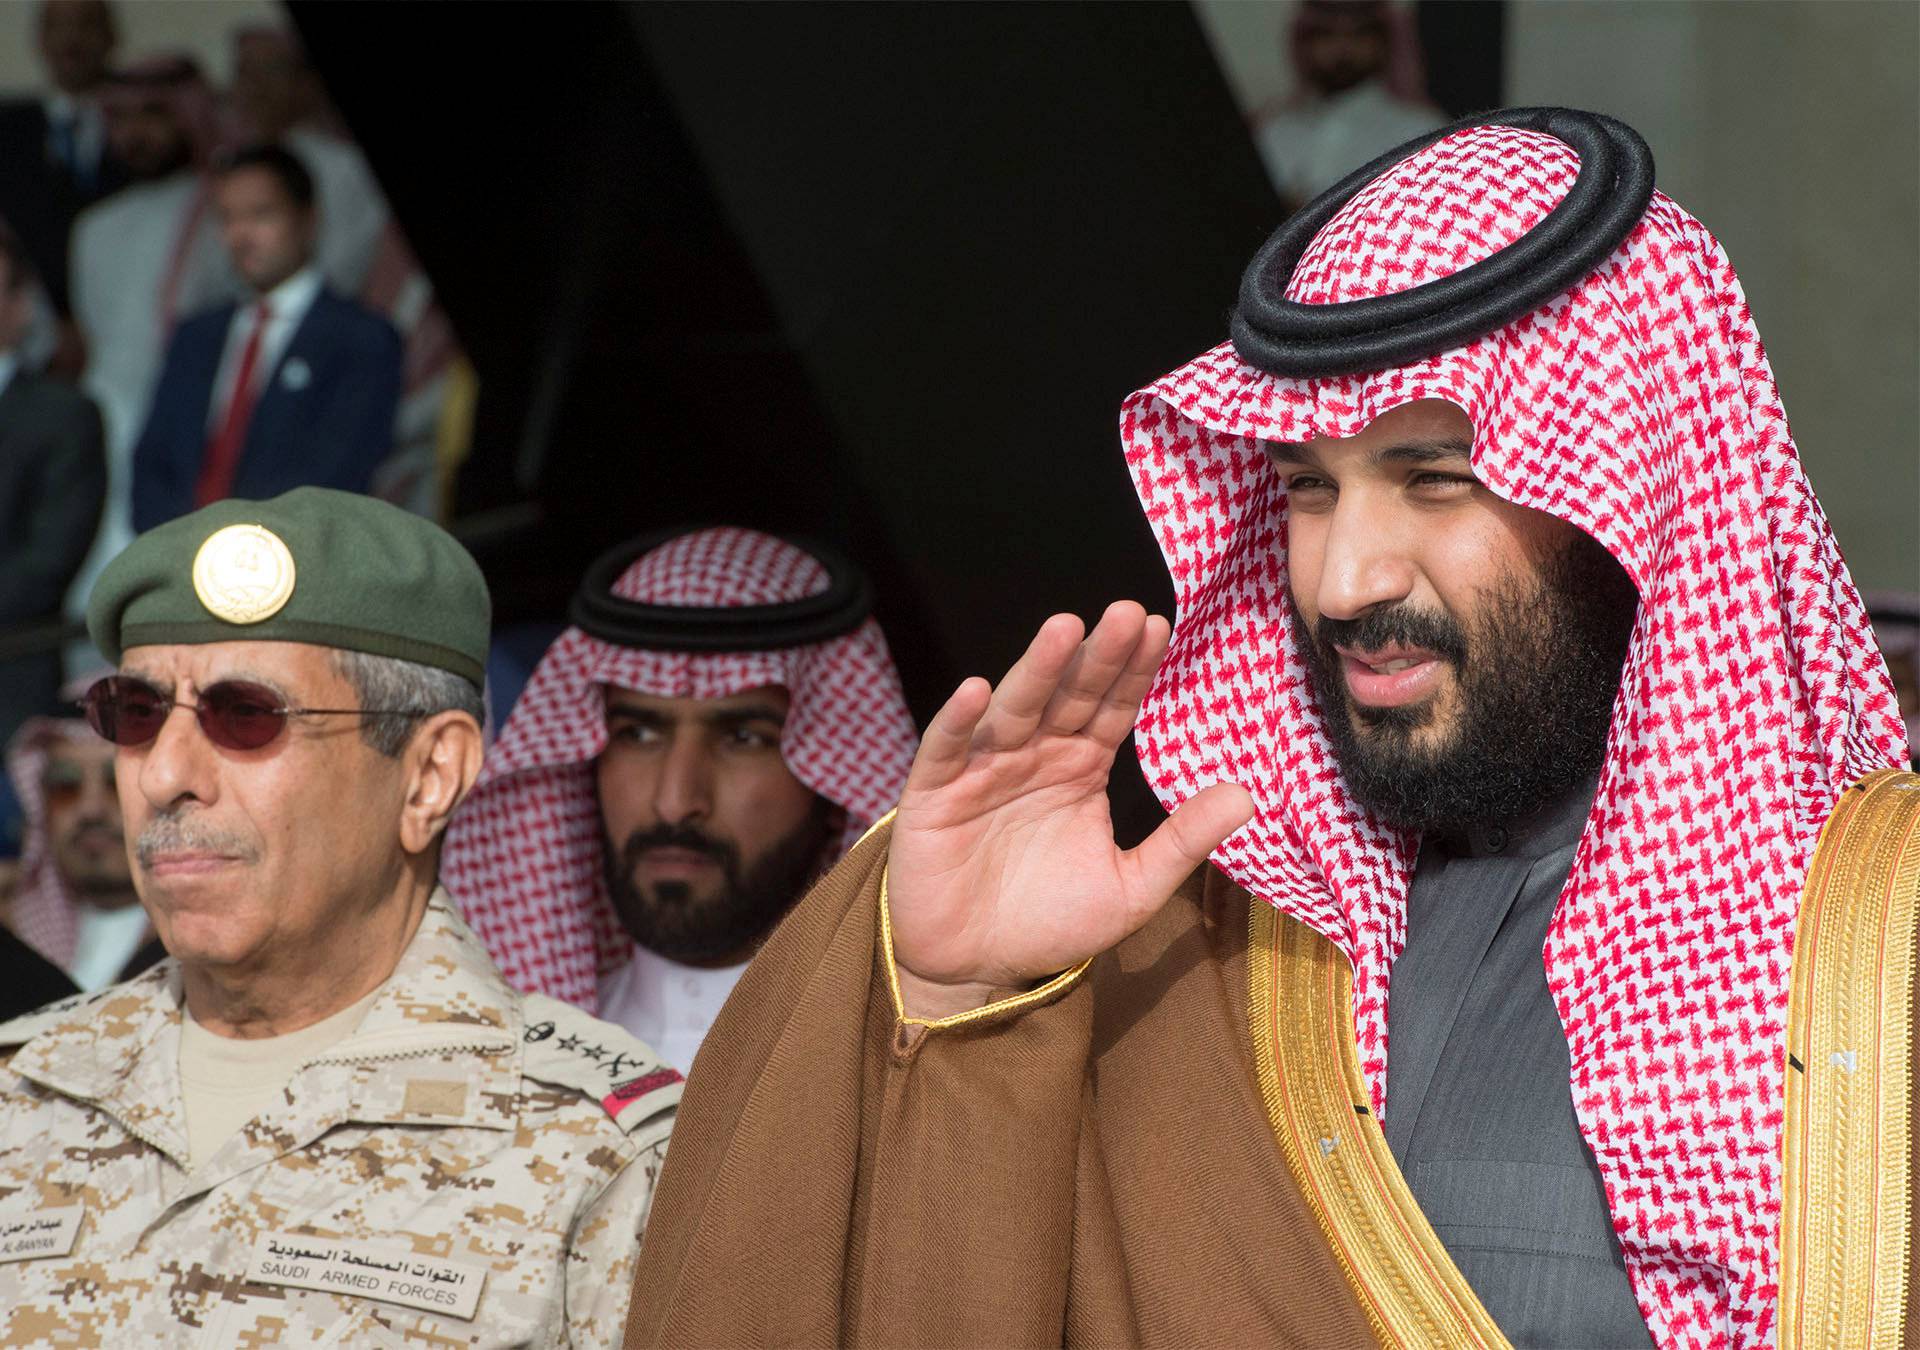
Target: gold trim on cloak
1847, 1147
1308, 1063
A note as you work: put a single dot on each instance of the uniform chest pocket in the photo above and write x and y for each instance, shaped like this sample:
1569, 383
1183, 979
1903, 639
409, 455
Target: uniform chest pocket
1534, 1208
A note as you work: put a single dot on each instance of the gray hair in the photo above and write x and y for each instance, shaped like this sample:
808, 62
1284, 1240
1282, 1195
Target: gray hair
417, 691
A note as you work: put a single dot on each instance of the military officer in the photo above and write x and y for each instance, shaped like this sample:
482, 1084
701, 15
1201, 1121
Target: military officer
325, 1119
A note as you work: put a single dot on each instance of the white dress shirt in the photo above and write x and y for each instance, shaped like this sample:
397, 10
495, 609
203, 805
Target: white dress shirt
109, 938
288, 304
666, 1004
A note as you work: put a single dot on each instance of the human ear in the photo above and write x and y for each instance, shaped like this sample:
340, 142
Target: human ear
442, 762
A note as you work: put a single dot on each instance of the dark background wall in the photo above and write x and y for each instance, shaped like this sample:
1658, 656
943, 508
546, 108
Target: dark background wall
882, 273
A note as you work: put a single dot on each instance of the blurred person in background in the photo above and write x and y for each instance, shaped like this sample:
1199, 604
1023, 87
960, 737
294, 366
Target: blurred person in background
1359, 80
142, 259
55, 159
656, 804
74, 901
296, 387
278, 99
53, 482
27, 979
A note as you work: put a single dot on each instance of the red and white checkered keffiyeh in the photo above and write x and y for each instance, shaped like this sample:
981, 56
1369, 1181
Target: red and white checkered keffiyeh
1641, 408
523, 854
44, 913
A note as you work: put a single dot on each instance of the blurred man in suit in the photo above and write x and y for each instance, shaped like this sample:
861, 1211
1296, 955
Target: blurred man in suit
53, 480
296, 387
54, 155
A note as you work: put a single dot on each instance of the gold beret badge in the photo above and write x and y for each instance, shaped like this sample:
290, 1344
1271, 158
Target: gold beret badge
243, 573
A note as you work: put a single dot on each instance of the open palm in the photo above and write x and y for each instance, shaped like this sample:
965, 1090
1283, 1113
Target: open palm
1003, 866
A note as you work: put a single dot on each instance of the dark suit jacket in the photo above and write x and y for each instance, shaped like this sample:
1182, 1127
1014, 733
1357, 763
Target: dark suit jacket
324, 418
27, 979
53, 483
38, 198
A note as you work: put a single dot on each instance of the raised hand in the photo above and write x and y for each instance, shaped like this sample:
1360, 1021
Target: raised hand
1003, 868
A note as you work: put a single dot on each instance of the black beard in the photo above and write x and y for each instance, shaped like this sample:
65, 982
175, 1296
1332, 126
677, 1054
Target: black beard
1537, 676
665, 918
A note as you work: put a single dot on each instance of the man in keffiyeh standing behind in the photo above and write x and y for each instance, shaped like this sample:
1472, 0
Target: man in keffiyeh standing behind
720, 725
1515, 676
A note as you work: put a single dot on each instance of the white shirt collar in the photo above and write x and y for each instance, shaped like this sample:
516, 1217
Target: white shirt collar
9, 363
666, 1004
292, 297
289, 303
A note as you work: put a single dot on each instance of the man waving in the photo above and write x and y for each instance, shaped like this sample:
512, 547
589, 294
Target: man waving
1467, 994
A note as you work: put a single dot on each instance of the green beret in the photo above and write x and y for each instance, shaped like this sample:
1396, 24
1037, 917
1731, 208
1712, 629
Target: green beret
313, 565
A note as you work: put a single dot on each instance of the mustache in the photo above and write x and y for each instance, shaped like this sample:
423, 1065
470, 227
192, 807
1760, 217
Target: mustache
1400, 625
183, 834
676, 836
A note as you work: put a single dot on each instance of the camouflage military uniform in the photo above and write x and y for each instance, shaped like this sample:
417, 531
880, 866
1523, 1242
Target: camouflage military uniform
475, 1137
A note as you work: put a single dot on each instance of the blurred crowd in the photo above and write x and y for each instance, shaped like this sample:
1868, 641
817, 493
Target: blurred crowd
434, 986
203, 293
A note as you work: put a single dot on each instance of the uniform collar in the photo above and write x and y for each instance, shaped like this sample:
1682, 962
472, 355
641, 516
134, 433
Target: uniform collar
445, 992
101, 1048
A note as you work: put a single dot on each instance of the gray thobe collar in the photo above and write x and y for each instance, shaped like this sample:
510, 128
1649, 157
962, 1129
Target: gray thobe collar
1553, 826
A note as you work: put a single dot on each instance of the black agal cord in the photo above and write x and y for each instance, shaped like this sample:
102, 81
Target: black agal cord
840, 608
1607, 200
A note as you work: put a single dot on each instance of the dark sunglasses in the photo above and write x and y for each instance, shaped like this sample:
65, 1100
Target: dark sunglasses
234, 714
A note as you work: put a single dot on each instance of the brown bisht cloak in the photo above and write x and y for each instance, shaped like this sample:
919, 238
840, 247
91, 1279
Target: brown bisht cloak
1174, 1147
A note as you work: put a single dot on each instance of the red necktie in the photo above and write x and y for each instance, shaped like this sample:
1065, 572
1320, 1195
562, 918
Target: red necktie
223, 451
